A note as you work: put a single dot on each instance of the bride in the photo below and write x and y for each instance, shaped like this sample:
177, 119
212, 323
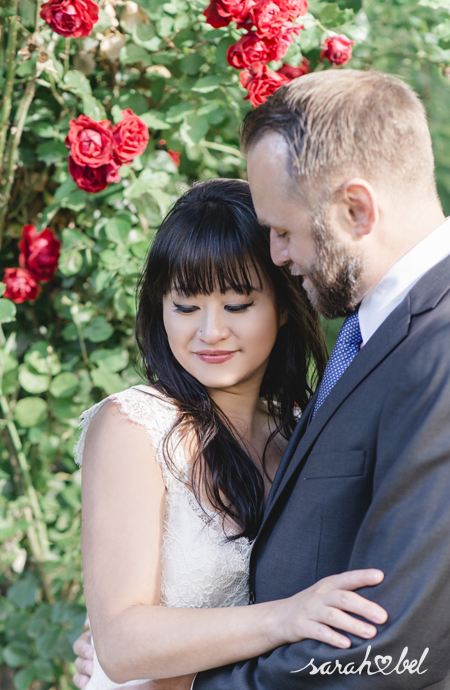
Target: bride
176, 472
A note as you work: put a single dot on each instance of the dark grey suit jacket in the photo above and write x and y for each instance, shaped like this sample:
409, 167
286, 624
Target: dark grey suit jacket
367, 484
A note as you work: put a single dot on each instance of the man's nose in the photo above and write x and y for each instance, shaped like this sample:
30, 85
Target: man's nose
278, 249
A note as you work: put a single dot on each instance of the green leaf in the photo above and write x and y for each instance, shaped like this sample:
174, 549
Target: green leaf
46, 644
2, 288
131, 53
37, 627
154, 121
112, 360
101, 278
17, 654
44, 670
140, 249
144, 35
7, 309
43, 360
69, 196
77, 82
30, 412
32, 381
190, 64
106, 380
24, 592
117, 229
93, 108
73, 238
442, 31
52, 151
70, 262
221, 51
64, 385
98, 330
207, 84
24, 677
194, 129
132, 99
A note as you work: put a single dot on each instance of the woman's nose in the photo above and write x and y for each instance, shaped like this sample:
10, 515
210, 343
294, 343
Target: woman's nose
278, 249
213, 328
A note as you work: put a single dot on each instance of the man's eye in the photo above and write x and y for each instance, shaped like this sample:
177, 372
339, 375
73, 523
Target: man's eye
233, 308
184, 309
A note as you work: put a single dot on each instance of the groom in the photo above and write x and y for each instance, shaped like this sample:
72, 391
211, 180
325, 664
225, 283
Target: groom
341, 168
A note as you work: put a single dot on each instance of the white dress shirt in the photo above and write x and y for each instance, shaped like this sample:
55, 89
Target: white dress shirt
399, 280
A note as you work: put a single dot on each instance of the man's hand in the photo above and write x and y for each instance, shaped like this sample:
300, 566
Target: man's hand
85, 654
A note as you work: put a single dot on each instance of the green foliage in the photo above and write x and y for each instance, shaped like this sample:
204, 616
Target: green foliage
74, 344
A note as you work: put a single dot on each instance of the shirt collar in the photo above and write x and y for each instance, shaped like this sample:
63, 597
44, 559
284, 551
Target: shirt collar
399, 280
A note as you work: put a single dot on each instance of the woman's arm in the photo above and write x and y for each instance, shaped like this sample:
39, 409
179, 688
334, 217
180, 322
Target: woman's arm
123, 497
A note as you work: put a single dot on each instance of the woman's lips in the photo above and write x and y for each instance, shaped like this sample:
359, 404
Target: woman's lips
215, 356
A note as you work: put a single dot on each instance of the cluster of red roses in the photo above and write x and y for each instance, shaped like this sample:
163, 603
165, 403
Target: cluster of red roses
270, 31
71, 18
98, 149
38, 261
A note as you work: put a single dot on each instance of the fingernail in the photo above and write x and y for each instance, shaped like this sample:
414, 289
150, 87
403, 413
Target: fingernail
369, 632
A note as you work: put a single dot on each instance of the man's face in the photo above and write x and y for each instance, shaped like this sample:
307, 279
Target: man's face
305, 241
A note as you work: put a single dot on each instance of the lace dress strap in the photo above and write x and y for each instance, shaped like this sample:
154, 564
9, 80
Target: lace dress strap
148, 408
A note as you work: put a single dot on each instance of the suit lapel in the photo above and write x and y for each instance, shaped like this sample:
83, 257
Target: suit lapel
386, 338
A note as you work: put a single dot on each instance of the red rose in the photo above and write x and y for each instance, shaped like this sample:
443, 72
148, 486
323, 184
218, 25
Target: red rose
39, 253
20, 285
221, 12
71, 18
293, 72
90, 142
293, 8
268, 17
175, 156
260, 83
94, 180
337, 49
130, 137
279, 43
213, 18
249, 49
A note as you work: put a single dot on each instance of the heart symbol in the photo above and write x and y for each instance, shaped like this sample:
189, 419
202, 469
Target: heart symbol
383, 662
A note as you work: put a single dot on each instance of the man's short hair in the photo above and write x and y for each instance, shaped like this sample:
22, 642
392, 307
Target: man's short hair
340, 122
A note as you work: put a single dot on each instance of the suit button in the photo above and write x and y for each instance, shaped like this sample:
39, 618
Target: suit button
252, 598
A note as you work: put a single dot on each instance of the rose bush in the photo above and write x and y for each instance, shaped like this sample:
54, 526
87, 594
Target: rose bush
67, 341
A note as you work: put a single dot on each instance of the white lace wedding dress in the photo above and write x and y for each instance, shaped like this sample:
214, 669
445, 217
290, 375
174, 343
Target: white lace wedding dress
199, 568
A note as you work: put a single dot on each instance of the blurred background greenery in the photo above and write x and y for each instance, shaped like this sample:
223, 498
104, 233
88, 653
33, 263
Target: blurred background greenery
74, 344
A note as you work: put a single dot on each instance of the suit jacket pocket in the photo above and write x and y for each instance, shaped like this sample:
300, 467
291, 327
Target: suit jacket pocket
322, 465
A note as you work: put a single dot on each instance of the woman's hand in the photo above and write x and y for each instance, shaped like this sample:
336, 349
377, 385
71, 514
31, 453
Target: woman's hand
84, 664
314, 612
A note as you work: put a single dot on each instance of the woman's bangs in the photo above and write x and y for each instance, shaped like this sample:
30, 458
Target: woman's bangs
213, 258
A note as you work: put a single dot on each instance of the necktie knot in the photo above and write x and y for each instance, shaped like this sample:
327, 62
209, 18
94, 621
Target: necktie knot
345, 350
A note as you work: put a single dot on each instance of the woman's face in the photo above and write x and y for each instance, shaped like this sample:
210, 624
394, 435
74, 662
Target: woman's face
223, 339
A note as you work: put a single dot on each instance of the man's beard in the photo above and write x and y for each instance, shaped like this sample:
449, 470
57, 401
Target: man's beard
333, 281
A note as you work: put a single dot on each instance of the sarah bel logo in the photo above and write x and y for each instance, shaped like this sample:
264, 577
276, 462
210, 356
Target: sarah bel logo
382, 664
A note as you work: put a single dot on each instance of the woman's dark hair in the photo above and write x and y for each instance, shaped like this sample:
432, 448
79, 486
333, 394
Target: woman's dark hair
212, 240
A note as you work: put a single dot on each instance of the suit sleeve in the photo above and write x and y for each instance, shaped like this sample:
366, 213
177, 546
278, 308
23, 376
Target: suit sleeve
405, 533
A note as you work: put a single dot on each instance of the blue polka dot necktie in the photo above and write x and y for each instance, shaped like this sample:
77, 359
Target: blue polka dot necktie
345, 350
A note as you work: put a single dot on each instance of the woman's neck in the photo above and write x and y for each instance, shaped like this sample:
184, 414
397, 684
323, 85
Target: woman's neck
243, 407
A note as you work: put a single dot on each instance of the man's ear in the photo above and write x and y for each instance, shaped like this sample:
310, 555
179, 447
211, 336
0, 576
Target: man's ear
358, 209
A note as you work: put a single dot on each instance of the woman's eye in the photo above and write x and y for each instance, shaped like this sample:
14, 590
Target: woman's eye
184, 309
238, 307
